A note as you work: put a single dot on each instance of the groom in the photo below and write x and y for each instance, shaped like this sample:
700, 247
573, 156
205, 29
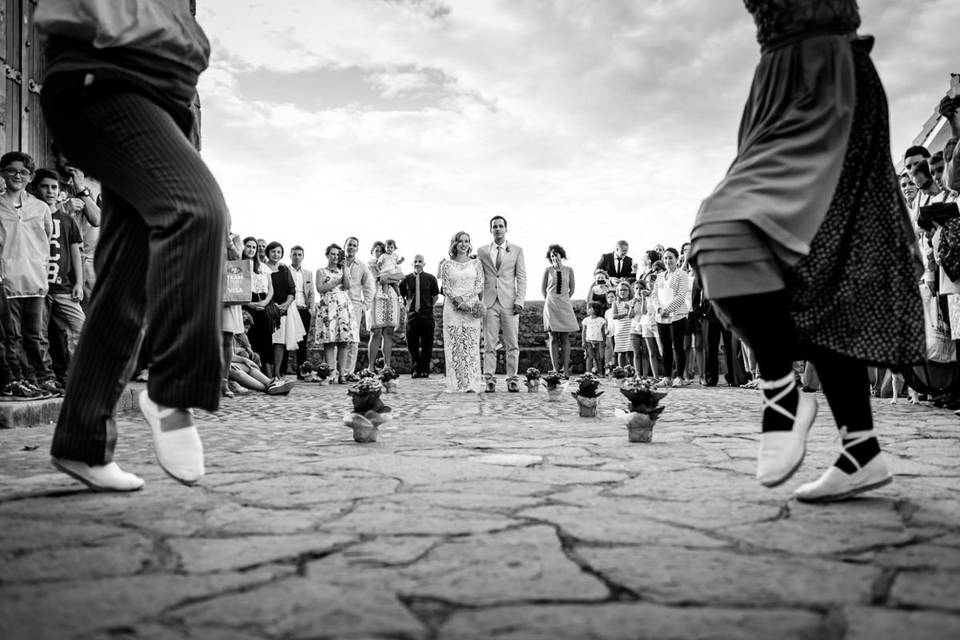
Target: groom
504, 292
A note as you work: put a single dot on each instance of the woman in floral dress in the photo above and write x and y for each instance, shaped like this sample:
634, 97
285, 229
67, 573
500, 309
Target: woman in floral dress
461, 280
334, 324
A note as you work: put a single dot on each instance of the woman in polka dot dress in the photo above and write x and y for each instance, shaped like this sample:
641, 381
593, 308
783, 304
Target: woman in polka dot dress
805, 247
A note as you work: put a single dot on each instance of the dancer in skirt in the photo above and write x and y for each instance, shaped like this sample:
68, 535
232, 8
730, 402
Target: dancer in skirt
803, 242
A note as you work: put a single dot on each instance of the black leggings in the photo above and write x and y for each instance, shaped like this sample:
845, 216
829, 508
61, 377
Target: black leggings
764, 323
674, 355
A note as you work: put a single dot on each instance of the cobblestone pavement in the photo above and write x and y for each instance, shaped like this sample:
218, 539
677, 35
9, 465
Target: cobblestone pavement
483, 516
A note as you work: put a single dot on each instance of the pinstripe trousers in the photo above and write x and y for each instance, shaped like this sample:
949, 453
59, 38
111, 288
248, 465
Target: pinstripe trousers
158, 262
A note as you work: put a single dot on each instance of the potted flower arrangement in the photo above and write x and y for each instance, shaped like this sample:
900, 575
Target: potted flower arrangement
631, 372
644, 409
533, 380
619, 374
587, 394
367, 373
388, 378
322, 373
551, 380
369, 412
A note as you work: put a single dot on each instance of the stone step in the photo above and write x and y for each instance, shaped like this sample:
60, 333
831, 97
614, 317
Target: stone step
44, 412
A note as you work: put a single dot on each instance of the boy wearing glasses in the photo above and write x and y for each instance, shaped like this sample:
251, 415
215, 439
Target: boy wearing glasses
25, 228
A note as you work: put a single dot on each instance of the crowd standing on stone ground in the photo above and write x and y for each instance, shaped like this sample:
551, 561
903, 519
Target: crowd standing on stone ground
829, 263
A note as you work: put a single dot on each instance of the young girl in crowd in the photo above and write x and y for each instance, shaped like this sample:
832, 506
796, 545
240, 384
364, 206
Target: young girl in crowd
641, 359
648, 322
622, 348
389, 263
594, 337
608, 356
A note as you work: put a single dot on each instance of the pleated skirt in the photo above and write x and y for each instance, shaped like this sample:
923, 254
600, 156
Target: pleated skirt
853, 288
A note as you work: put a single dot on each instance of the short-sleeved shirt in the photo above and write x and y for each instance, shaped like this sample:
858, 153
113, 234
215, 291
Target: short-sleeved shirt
594, 326
60, 276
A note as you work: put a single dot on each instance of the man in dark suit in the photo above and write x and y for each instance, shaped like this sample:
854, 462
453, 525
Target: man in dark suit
420, 291
618, 264
711, 331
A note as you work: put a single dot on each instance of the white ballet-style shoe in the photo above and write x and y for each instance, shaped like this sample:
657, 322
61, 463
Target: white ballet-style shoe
176, 440
107, 477
836, 484
782, 452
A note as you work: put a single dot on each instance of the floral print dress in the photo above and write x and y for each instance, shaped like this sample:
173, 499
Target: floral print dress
334, 317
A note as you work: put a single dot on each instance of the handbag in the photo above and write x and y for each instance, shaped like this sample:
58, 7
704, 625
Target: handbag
237, 282
940, 347
948, 252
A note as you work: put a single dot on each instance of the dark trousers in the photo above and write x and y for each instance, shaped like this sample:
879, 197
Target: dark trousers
710, 329
6, 375
674, 356
420, 343
733, 356
158, 263
24, 335
302, 345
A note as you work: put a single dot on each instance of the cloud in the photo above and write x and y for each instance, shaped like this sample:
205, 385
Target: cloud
582, 121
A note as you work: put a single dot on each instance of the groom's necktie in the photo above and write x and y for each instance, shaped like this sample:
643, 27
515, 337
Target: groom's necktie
499, 256
618, 266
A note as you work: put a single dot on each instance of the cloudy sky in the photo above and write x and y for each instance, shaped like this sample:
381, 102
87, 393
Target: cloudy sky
581, 121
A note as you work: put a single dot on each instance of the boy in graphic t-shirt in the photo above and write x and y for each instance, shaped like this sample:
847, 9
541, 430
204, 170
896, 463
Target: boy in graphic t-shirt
65, 276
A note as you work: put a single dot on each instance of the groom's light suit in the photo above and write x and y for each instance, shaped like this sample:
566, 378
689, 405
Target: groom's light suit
502, 289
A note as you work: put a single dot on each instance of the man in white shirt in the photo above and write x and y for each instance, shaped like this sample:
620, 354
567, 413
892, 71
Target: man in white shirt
361, 296
303, 299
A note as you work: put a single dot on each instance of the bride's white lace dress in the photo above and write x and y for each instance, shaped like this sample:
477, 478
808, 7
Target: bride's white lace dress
461, 331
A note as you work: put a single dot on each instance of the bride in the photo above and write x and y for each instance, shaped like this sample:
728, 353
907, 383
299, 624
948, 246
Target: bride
461, 280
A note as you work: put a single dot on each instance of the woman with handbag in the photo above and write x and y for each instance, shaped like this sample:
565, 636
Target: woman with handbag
287, 327
461, 282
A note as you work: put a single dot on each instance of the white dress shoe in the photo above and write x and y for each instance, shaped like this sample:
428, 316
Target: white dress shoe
836, 484
782, 452
175, 439
107, 477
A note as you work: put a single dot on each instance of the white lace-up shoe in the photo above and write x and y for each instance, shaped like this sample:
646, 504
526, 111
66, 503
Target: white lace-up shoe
107, 477
836, 484
175, 439
782, 452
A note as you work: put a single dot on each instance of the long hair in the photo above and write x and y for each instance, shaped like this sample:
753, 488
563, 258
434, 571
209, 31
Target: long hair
256, 259
452, 250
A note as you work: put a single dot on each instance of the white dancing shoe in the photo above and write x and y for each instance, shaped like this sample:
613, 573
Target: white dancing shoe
782, 452
176, 440
107, 477
836, 484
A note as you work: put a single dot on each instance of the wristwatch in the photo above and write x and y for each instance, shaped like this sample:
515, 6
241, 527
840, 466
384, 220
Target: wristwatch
85, 192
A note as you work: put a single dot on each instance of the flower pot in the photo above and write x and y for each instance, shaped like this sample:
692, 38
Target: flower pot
533, 386
390, 386
554, 394
639, 427
363, 429
588, 406
324, 381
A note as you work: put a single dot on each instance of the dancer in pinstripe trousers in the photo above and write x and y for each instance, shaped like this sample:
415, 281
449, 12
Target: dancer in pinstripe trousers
118, 95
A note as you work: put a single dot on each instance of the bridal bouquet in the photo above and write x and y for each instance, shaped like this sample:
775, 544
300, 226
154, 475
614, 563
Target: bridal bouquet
472, 306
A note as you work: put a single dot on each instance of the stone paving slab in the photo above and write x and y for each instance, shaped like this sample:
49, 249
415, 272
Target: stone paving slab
482, 516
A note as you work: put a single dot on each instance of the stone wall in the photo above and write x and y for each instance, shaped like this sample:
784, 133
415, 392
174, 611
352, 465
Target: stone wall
533, 343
